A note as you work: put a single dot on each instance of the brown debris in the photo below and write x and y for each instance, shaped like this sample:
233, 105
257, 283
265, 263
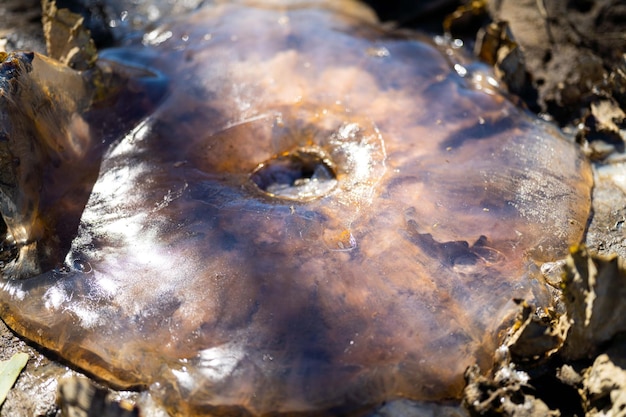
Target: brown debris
465, 18
507, 394
67, 39
496, 46
565, 60
571, 48
604, 128
604, 387
593, 291
79, 397
20, 26
609, 117
593, 327
535, 335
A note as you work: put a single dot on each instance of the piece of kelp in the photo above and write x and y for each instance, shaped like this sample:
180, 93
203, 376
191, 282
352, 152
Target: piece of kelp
275, 207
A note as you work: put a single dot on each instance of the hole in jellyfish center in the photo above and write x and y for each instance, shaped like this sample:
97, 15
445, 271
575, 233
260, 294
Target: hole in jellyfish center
300, 175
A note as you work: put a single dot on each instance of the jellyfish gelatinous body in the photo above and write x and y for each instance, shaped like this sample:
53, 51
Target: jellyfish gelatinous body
276, 208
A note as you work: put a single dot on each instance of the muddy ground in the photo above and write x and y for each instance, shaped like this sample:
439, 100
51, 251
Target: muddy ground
564, 60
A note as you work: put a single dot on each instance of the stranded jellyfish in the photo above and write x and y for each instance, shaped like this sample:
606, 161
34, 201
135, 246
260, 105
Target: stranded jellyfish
265, 208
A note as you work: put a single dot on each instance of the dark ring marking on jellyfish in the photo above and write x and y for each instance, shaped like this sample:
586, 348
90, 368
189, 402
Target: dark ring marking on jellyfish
455, 253
302, 175
482, 129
